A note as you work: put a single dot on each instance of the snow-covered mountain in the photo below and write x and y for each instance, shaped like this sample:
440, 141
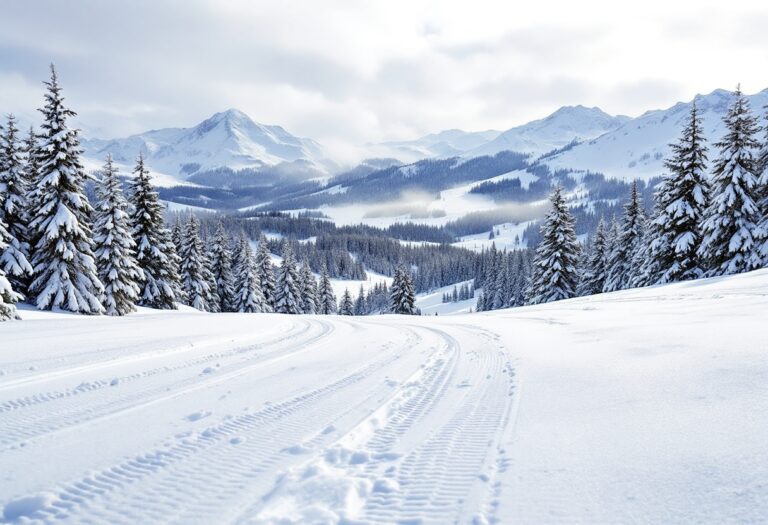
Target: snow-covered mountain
227, 139
448, 143
559, 129
637, 148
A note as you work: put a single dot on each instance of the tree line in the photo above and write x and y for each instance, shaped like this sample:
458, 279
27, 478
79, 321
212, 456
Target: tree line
699, 225
58, 251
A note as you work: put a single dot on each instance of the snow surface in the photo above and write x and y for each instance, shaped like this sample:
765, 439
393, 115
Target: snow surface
643, 406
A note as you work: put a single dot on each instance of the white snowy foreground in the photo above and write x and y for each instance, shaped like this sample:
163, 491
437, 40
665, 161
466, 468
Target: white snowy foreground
647, 406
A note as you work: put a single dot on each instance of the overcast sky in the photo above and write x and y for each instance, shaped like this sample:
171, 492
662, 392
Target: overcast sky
351, 71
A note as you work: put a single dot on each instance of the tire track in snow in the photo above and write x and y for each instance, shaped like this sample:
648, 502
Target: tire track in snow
92, 385
119, 359
406, 463
78, 413
217, 462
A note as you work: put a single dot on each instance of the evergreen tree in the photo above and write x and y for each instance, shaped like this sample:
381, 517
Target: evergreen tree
728, 244
402, 296
620, 269
325, 293
14, 258
761, 235
680, 204
346, 307
308, 289
8, 297
195, 276
177, 234
288, 298
266, 273
554, 267
114, 246
360, 303
155, 252
214, 300
65, 274
593, 278
248, 297
221, 268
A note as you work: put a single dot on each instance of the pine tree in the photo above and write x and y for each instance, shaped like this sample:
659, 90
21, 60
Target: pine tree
114, 246
346, 307
14, 258
177, 234
554, 268
761, 235
288, 298
728, 244
680, 204
8, 297
360, 303
593, 278
195, 277
248, 297
266, 273
325, 293
308, 289
626, 245
213, 299
402, 296
65, 273
155, 252
221, 267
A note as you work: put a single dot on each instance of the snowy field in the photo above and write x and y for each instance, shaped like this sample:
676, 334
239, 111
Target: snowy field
646, 406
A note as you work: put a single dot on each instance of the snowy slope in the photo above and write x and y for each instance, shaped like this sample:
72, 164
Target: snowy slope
565, 125
637, 148
227, 139
573, 412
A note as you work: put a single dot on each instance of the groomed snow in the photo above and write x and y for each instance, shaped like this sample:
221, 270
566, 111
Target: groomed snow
645, 406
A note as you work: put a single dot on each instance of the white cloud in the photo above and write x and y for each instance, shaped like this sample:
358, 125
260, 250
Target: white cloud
349, 72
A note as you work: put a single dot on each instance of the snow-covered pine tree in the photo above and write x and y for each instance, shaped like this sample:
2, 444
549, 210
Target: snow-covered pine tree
731, 221
325, 293
221, 267
761, 235
346, 307
248, 297
65, 274
360, 303
680, 202
308, 289
500, 288
114, 246
214, 301
177, 233
288, 298
593, 278
555, 265
8, 298
14, 258
266, 273
155, 252
195, 276
626, 245
402, 296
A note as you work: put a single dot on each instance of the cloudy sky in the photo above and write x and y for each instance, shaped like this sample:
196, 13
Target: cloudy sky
349, 72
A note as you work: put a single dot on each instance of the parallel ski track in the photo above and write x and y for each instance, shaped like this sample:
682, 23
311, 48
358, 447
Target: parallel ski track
165, 485
73, 410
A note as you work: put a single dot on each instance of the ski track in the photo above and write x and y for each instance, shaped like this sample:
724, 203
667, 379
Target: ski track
390, 434
407, 467
70, 408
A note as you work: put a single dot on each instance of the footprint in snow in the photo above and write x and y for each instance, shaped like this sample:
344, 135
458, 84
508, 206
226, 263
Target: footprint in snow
196, 416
